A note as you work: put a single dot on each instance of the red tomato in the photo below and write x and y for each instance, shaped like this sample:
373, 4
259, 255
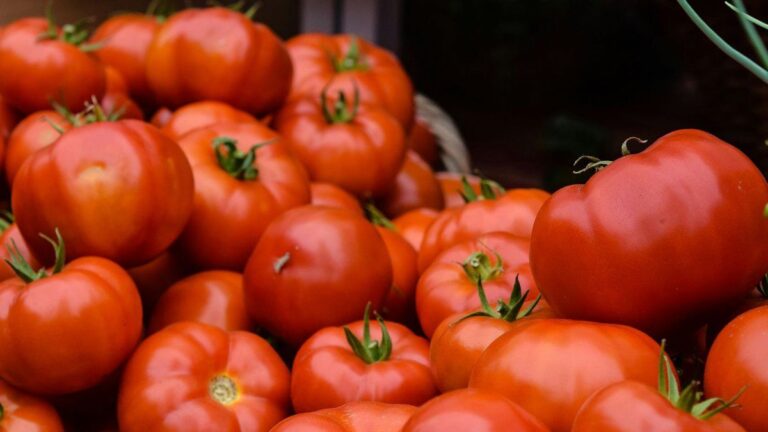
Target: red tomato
46, 316
37, 67
218, 54
126, 201
662, 239
449, 285
320, 259
213, 297
415, 187
330, 195
154, 277
36, 131
202, 114
345, 62
161, 117
193, 377
551, 366
244, 178
472, 410
8, 118
334, 366
423, 141
359, 148
737, 359
452, 187
413, 224
21, 412
363, 416
10, 236
116, 103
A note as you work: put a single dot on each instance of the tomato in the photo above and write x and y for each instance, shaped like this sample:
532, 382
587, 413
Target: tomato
116, 103
126, 201
212, 297
451, 184
758, 297
202, 114
20, 412
413, 224
8, 118
218, 54
661, 239
345, 62
423, 141
193, 377
359, 148
161, 117
363, 416
10, 236
449, 284
40, 63
551, 366
244, 178
156, 276
473, 410
45, 317
334, 366
330, 195
33, 133
737, 359
415, 187
315, 267
511, 211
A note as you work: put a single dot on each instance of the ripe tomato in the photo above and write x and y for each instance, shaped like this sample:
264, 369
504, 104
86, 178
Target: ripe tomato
126, 201
737, 359
198, 115
449, 284
45, 316
423, 141
8, 118
345, 62
244, 178
116, 104
334, 366
415, 187
41, 63
10, 236
451, 184
156, 276
161, 117
363, 416
413, 224
328, 261
643, 224
218, 54
359, 148
472, 410
212, 297
20, 412
195, 377
36, 131
330, 195
551, 366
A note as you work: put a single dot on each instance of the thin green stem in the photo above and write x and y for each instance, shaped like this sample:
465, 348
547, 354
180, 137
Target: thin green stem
751, 31
378, 218
369, 350
752, 19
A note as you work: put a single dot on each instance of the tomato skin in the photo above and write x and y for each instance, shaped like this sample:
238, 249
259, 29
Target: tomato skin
43, 344
155, 277
551, 366
8, 238
212, 297
116, 99
182, 362
630, 406
30, 135
413, 224
444, 288
330, 195
451, 185
240, 209
218, 54
8, 118
161, 117
737, 358
423, 141
26, 413
361, 416
141, 183
199, 115
415, 186
701, 208
383, 82
337, 263
399, 304
34, 72
513, 212
473, 410
327, 373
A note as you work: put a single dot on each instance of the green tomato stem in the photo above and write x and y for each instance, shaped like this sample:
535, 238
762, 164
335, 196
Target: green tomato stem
368, 350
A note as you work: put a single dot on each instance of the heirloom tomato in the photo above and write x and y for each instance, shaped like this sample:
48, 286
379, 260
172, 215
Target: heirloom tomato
415, 187
202, 114
20, 412
363, 416
330, 195
413, 224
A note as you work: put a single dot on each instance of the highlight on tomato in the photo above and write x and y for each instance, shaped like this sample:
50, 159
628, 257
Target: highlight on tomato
413, 224
415, 186
360, 416
23, 412
198, 115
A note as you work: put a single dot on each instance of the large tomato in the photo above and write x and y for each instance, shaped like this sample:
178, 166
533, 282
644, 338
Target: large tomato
315, 267
36, 131
244, 178
120, 190
41, 63
192, 377
20, 412
345, 62
218, 54
12, 241
658, 240
452, 185
386, 363
330, 195
201, 114
363, 416
415, 187
551, 366
413, 224
46, 317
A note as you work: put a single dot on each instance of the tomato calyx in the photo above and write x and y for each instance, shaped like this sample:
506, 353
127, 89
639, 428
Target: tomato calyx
241, 166
509, 311
239, 6
489, 190
74, 34
597, 164
24, 270
161, 10
478, 267
223, 389
6, 220
93, 113
353, 60
341, 111
368, 350
378, 218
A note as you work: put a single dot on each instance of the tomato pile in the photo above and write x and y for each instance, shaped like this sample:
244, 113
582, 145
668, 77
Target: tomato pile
216, 230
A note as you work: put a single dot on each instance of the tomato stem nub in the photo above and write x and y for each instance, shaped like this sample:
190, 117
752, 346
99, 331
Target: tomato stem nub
489, 190
341, 112
241, 166
353, 59
509, 311
24, 271
368, 350
281, 262
6, 220
378, 218
223, 390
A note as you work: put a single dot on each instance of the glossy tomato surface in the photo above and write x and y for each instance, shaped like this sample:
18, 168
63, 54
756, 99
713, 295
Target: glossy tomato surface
415, 187
202, 114
364, 416
25, 413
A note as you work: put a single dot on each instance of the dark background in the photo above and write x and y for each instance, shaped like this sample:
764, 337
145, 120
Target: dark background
534, 84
